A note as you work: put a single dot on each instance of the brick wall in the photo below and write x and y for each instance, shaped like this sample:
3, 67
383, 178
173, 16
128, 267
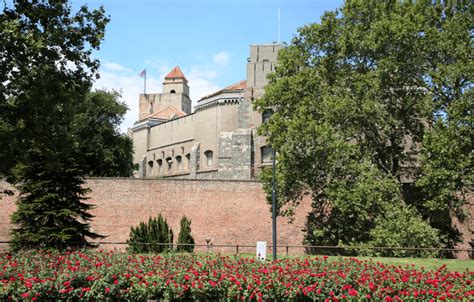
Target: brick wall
228, 212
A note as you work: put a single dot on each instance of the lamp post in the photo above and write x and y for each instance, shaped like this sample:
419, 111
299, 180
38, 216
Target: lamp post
274, 221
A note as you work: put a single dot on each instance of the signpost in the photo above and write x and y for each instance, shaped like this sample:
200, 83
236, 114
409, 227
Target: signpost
261, 250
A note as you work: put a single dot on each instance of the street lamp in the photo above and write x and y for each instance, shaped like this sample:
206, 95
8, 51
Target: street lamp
274, 220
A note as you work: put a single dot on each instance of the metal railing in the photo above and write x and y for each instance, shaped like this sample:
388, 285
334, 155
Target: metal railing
285, 250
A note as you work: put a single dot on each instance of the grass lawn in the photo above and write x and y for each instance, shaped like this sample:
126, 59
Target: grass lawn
426, 263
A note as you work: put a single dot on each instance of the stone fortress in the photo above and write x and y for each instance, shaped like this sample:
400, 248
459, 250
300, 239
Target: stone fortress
216, 141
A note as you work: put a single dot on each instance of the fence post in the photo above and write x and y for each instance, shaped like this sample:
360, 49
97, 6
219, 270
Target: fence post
237, 249
287, 248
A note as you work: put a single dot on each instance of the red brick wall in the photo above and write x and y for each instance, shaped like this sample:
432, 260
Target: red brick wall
228, 212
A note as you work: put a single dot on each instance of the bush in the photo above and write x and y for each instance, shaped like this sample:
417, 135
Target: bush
153, 237
185, 237
404, 227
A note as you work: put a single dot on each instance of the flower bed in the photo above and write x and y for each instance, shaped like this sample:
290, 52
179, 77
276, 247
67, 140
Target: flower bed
100, 276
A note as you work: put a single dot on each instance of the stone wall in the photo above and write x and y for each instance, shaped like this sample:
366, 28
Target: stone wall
227, 212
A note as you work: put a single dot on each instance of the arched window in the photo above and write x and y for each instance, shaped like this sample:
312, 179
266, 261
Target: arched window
179, 162
173, 91
209, 158
169, 161
267, 154
160, 166
267, 113
150, 164
188, 160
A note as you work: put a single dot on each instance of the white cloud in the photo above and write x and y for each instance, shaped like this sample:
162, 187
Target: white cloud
200, 83
130, 85
221, 58
123, 79
114, 67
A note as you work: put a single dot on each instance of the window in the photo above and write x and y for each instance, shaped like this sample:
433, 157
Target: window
160, 166
188, 160
150, 164
169, 160
179, 163
267, 154
209, 158
173, 91
267, 113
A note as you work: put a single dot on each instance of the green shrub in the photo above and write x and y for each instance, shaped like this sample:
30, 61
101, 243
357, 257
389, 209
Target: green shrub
404, 227
153, 237
185, 237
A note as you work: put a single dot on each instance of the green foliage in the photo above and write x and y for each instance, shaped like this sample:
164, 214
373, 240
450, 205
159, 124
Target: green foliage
105, 151
46, 73
153, 237
403, 227
353, 100
185, 236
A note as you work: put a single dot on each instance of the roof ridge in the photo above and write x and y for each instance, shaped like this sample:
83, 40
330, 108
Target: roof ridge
175, 73
236, 86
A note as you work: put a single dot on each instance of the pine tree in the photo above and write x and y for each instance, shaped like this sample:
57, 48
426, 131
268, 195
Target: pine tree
46, 73
153, 237
185, 236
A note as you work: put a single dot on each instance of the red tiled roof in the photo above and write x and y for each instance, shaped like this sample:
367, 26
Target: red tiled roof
168, 113
234, 87
176, 73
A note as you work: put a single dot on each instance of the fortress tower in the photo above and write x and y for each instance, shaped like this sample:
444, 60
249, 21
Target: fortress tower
218, 140
175, 94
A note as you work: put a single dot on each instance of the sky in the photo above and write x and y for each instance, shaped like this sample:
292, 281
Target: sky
208, 39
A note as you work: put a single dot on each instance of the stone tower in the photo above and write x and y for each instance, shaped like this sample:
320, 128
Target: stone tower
175, 94
176, 82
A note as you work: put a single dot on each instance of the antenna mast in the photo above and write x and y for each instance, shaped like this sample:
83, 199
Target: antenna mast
278, 25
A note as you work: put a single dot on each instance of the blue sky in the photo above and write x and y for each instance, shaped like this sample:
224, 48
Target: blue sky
208, 39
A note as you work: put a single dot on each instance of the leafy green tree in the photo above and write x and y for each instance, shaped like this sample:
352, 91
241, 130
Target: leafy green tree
46, 73
447, 174
404, 227
153, 237
185, 236
353, 98
105, 151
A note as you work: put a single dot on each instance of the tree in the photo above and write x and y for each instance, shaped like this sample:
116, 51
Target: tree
46, 72
353, 99
105, 151
153, 237
185, 236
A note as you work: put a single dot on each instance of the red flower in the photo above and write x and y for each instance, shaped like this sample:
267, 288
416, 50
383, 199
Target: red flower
107, 290
353, 292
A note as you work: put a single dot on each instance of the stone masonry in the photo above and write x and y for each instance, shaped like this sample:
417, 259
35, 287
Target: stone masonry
227, 212
221, 129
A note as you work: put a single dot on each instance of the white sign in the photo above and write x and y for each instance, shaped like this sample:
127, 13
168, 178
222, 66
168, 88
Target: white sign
261, 250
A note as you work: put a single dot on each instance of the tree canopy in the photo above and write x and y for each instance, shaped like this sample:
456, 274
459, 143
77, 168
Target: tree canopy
105, 152
46, 73
365, 104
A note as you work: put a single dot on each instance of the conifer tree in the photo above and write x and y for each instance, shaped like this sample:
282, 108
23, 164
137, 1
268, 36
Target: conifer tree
185, 236
153, 237
46, 73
